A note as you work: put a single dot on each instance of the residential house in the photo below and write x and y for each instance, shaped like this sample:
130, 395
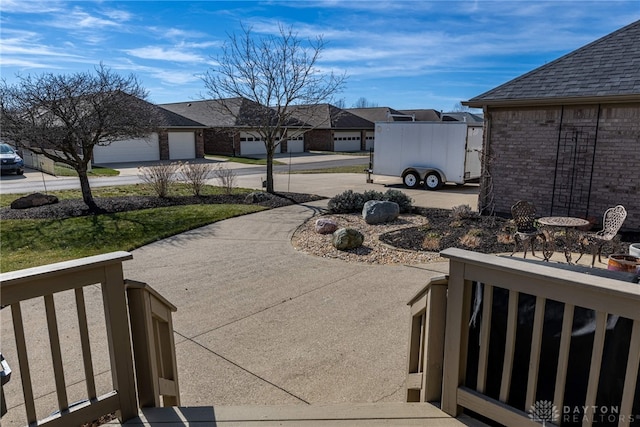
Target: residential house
232, 127
566, 135
179, 139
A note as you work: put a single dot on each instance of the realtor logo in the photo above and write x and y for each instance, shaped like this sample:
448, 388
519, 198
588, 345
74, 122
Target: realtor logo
544, 411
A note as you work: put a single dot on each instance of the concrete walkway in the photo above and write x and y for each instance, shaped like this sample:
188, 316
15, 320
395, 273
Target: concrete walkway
260, 323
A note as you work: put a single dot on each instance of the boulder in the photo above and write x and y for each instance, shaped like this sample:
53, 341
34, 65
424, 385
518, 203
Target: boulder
34, 200
258, 197
376, 211
326, 226
347, 238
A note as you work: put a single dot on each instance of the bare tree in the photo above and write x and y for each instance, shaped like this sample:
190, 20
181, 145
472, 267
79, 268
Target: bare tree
274, 74
63, 117
362, 102
459, 108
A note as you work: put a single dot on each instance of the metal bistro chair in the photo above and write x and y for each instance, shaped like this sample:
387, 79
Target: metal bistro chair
524, 215
611, 223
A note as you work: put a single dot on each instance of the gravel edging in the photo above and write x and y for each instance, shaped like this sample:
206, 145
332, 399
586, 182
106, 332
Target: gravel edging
373, 251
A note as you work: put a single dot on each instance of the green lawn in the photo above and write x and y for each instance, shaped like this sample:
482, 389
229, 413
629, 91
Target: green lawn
64, 170
30, 243
244, 160
337, 169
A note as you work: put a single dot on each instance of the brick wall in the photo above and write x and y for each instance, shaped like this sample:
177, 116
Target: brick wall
219, 142
318, 139
163, 141
523, 151
199, 144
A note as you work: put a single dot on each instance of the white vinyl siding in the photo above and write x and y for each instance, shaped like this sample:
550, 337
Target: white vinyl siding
130, 150
182, 145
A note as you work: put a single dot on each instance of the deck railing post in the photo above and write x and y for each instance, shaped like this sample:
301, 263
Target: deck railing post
456, 335
153, 346
117, 322
426, 342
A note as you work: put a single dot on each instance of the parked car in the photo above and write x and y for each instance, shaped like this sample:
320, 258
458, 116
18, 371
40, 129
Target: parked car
10, 161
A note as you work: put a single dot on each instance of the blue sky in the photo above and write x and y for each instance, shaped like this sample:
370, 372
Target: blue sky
402, 54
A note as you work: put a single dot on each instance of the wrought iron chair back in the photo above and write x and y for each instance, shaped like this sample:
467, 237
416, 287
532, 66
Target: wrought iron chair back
611, 223
524, 216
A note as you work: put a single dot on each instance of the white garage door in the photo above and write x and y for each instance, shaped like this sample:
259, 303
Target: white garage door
131, 150
296, 144
368, 144
182, 145
346, 141
252, 145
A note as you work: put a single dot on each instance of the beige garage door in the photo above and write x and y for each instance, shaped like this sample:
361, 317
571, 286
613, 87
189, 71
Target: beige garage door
182, 145
130, 150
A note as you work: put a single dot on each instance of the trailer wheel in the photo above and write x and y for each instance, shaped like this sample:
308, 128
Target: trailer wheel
433, 181
411, 179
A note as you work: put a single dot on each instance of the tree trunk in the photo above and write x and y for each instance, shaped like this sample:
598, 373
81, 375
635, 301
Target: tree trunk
87, 197
270, 151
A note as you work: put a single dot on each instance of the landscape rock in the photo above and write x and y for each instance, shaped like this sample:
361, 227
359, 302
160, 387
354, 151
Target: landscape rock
258, 197
347, 238
325, 226
34, 200
377, 212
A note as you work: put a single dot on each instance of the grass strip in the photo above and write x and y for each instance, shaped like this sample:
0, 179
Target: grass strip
30, 243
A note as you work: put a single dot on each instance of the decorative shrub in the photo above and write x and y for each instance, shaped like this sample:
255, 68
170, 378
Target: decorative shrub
403, 201
463, 212
160, 177
350, 201
346, 202
196, 176
371, 195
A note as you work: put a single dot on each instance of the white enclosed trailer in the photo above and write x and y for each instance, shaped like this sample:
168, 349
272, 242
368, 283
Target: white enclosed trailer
428, 152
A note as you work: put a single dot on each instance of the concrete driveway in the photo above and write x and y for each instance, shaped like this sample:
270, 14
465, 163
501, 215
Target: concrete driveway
259, 323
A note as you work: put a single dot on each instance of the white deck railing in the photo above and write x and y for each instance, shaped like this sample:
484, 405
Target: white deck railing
438, 357
52, 354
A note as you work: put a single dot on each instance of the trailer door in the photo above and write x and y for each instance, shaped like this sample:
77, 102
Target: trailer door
473, 164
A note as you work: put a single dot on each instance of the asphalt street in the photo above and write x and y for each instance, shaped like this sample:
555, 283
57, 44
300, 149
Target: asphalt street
36, 181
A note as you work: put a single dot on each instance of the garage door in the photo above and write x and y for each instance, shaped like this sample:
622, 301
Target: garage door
182, 145
252, 145
296, 144
346, 141
130, 150
370, 137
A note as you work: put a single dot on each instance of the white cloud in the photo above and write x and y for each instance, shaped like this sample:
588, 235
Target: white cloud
78, 19
164, 54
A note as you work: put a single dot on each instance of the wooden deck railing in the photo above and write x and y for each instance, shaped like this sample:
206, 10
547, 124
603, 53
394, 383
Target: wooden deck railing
123, 303
526, 296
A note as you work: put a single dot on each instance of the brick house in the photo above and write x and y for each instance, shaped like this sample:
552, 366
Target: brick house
566, 135
231, 129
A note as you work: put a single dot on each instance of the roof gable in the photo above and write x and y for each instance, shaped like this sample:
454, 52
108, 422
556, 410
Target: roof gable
327, 116
607, 67
380, 114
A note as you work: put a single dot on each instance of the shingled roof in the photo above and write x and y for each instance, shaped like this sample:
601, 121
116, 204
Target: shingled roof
607, 69
327, 116
231, 112
173, 120
379, 114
